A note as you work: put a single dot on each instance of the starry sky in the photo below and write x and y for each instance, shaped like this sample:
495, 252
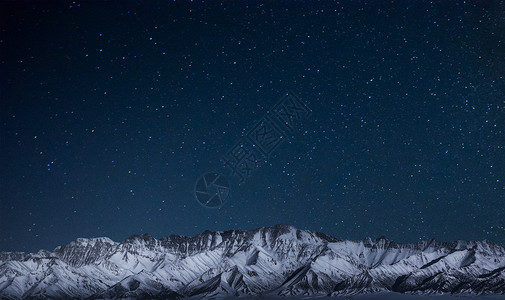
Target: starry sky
110, 112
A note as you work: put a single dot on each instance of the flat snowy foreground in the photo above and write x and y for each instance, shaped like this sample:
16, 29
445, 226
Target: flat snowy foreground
381, 296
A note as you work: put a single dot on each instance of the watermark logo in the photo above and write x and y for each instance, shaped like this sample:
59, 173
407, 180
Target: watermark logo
254, 148
212, 190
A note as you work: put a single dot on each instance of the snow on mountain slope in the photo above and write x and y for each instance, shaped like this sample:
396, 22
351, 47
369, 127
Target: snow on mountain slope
279, 260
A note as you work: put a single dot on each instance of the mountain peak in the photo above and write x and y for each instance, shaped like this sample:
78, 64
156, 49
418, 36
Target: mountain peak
381, 238
284, 227
89, 242
142, 238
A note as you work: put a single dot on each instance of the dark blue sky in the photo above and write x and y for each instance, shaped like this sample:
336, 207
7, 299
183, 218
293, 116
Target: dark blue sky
111, 111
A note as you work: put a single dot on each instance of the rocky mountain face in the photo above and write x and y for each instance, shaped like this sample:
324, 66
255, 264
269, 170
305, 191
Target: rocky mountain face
279, 260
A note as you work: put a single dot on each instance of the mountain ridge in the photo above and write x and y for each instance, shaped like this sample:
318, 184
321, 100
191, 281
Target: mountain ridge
279, 260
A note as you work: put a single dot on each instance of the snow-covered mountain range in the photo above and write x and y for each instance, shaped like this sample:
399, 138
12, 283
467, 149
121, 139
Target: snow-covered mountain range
278, 260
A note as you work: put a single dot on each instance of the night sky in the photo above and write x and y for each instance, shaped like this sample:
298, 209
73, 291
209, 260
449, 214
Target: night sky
110, 112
